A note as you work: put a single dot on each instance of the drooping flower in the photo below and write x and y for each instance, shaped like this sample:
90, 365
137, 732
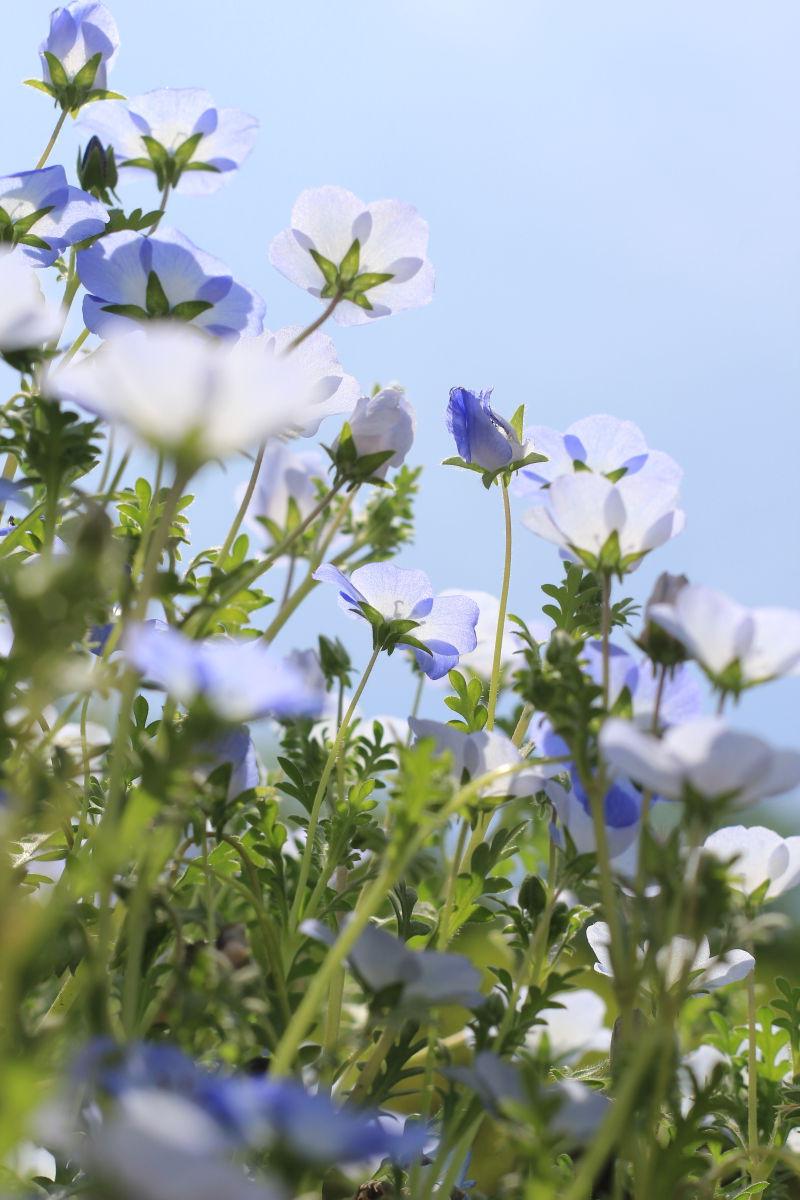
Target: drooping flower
573, 1024
190, 396
481, 658
681, 957
603, 444
737, 646
607, 525
329, 391
382, 423
481, 435
132, 279
480, 753
43, 215
445, 624
372, 256
704, 756
426, 977
177, 133
238, 680
286, 490
78, 32
757, 856
27, 321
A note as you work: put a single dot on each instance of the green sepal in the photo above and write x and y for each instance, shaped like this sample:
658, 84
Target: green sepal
25, 224
182, 155
41, 86
103, 94
348, 267
370, 279
201, 166
533, 457
156, 298
58, 76
517, 421
460, 462
327, 268
144, 163
37, 243
127, 310
88, 72
358, 298
187, 310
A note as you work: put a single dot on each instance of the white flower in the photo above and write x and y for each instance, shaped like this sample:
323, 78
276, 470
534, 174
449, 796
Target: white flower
287, 477
26, 319
757, 856
326, 389
579, 824
29, 1161
704, 755
682, 957
186, 393
581, 1109
695, 1072
332, 229
480, 753
607, 524
574, 1028
383, 422
724, 636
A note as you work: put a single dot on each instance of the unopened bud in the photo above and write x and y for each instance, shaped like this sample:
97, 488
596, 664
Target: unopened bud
97, 170
661, 647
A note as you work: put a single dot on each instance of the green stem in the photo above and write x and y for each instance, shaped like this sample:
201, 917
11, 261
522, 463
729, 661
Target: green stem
605, 629
371, 1067
315, 325
243, 507
752, 1083
494, 683
319, 795
53, 139
159, 211
75, 347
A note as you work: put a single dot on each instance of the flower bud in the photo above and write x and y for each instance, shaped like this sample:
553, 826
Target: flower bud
97, 170
381, 424
482, 436
660, 647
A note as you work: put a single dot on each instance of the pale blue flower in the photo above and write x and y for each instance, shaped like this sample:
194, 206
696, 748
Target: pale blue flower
236, 750
601, 443
132, 279
330, 391
78, 32
478, 754
42, 214
382, 247
238, 680
424, 977
26, 318
201, 145
288, 485
383, 422
446, 624
481, 435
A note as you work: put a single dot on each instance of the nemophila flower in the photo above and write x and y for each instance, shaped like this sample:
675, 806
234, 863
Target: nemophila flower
97, 170
43, 215
329, 391
607, 525
287, 490
757, 856
190, 396
659, 646
493, 1080
77, 53
384, 594
480, 659
238, 680
480, 753
704, 757
681, 958
603, 444
27, 321
177, 133
737, 646
372, 257
579, 1110
695, 1072
380, 428
622, 807
132, 279
482, 436
29, 1161
235, 749
573, 1024
635, 683
423, 977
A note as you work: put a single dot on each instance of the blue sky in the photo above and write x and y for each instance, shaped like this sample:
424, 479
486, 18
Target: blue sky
612, 191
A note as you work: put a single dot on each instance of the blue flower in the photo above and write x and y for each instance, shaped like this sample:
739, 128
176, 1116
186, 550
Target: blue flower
132, 279
78, 32
446, 624
248, 1111
482, 436
235, 749
43, 214
177, 133
238, 680
424, 977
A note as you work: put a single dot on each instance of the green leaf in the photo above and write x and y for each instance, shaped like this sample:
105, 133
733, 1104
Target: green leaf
348, 268
126, 310
156, 298
86, 76
58, 75
187, 310
327, 268
186, 149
